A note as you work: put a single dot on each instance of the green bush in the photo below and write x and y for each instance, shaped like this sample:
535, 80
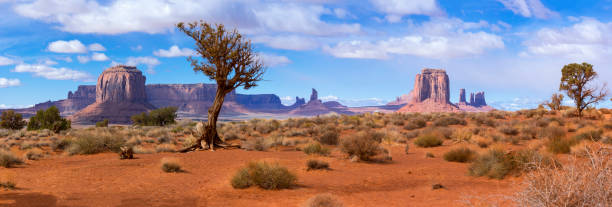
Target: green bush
157, 117
48, 119
316, 148
8, 159
103, 123
364, 145
11, 120
428, 140
95, 142
317, 165
461, 154
264, 175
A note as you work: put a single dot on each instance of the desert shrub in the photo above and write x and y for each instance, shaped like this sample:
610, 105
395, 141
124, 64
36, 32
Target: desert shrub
48, 119
165, 148
460, 154
589, 133
257, 144
410, 134
577, 184
8, 159
494, 164
462, 135
28, 145
529, 131
442, 132
364, 145
451, 120
170, 165
560, 145
34, 154
428, 140
322, 200
157, 117
264, 175
95, 142
429, 155
481, 119
415, 123
508, 130
329, 137
552, 132
103, 123
227, 136
316, 148
316, 164
11, 120
61, 144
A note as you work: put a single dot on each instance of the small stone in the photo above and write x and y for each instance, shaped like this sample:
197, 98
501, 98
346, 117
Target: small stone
437, 186
354, 158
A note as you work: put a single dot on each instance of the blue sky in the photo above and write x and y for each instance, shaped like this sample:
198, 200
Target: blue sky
357, 52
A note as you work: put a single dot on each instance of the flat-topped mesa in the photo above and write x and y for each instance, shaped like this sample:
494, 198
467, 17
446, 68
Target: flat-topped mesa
432, 85
121, 84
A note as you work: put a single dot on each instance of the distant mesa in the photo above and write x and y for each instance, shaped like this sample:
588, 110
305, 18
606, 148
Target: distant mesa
120, 93
431, 93
317, 107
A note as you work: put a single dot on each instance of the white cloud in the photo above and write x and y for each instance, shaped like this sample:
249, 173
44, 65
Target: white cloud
395, 9
99, 57
65, 59
83, 59
271, 60
49, 62
150, 62
516, 104
588, 39
529, 8
6, 61
96, 47
52, 73
4, 106
5, 83
72, 46
355, 102
291, 42
117, 17
440, 38
174, 51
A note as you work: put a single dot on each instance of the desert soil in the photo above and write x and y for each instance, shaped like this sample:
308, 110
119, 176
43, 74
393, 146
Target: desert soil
104, 180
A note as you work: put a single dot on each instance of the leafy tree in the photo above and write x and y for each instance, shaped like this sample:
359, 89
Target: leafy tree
228, 59
12, 120
157, 117
555, 102
575, 81
48, 119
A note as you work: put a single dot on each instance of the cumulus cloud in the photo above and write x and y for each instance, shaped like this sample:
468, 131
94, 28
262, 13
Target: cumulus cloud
174, 51
440, 38
355, 102
290, 42
118, 17
272, 60
99, 57
588, 39
83, 59
6, 61
150, 62
72, 46
4, 106
52, 73
395, 9
96, 47
5, 82
529, 8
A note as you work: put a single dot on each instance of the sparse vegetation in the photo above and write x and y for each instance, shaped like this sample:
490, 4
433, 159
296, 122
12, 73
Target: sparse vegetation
11, 120
460, 154
316, 164
95, 142
266, 176
103, 123
48, 119
316, 148
363, 145
8, 159
170, 165
322, 200
428, 140
157, 117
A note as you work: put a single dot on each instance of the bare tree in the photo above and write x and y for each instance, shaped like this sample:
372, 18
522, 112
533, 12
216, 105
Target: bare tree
575, 81
228, 59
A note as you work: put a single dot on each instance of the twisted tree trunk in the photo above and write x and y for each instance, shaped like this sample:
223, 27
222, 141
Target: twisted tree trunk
210, 135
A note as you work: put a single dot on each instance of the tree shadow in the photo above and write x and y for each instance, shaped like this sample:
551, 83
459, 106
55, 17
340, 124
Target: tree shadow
27, 199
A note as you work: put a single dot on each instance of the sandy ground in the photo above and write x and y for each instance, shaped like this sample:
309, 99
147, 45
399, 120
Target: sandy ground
104, 180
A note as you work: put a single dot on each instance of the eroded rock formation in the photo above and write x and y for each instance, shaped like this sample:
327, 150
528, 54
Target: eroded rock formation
120, 93
431, 93
477, 102
462, 95
317, 107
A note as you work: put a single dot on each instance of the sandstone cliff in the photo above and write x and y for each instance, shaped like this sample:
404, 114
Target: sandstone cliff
120, 93
431, 93
477, 102
317, 107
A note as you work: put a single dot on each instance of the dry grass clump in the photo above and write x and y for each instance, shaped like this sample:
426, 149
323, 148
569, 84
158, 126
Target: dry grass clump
589, 133
257, 144
508, 130
322, 200
8, 159
496, 163
170, 164
329, 137
264, 175
34, 154
316, 148
460, 154
92, 142
560, 145
462, 135
165, 148
313, 164
577, 184
428, 140
142, 150
450, 120
415, 123
363, 145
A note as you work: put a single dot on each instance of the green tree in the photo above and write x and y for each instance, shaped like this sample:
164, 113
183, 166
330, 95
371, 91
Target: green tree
12, 120
48, 119
576, 81
228, 59
157, 117
555, 102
